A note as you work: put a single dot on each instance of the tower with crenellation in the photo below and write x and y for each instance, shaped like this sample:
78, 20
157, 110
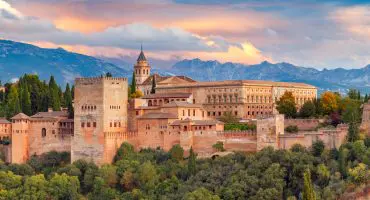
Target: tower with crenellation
141, 68
100, 107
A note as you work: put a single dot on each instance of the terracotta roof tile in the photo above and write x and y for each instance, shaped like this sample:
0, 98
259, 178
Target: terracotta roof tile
4, 121
20, 116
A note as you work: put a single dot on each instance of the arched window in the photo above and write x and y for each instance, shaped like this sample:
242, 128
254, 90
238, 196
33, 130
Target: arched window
43, 132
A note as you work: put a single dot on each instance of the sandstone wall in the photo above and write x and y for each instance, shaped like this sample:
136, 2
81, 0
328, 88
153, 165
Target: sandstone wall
303, 124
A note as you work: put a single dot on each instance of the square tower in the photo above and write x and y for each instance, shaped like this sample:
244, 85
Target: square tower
100, 107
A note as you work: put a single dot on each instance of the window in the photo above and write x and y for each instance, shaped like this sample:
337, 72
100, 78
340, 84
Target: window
137, 112
115, 124
94, 124
183, 112
193, 112
82, 124
188, 112
110, 124
88, 124
43, 132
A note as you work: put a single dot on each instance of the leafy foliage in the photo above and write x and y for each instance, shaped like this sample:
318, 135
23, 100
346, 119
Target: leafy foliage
286, 105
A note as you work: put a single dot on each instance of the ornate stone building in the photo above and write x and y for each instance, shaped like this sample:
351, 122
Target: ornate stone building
100, 108
182, 111
40, 133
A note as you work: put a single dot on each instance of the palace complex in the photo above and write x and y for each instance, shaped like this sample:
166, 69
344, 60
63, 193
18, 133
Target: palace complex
180, 111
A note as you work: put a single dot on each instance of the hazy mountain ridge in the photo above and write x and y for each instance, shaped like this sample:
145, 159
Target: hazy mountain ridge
19, 58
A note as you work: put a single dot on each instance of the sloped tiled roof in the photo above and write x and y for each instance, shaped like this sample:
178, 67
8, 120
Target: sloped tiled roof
238, 83
4, 121
159, 78
197, 122
20, 116
181, 104
167, 95
158, 115
50, 114
141, 57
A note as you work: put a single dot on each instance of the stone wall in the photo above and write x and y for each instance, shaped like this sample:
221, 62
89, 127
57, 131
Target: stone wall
332, 138
303, 124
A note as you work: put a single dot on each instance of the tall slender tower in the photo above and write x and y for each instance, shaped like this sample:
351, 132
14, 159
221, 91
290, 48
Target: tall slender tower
142, 68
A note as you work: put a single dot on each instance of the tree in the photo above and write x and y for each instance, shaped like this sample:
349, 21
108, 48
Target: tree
286, 105
54, 94
353, 132
308, 190
13, 104
177, 152
192, 162
353, 94
147, 175
229, 118
201, 194
64, 187
109, 175
152, 91
317, 148
35, 187
26, 101
133, 83
124, 152
351, 111
329, 102
136, 94
359, 174
101, 190
308, 110
342, 160
219, 146
68, 101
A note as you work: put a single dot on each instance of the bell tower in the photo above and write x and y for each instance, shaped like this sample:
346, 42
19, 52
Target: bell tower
141, 68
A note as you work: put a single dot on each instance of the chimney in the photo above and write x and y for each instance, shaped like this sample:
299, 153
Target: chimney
50, 109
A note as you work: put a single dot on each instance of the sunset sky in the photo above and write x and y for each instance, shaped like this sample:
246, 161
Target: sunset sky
321, 34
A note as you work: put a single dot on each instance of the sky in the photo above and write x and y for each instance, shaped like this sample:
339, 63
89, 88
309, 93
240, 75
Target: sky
319, 34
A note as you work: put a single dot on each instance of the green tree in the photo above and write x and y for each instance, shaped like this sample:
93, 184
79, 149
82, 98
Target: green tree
342, 160
286, 105
201, 194
13, 105
64, 187
109, 175
192, 162
308, 110
125, 151
26, 101
308, 190
101, 190
351, 111
35, 187
133, 83
177, 152
54, 93
152, 91
353, 94
147, 175
359, 174
68, 101
219, 146
317, 148
353, 132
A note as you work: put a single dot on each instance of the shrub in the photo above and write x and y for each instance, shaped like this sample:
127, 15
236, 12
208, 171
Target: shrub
291, 129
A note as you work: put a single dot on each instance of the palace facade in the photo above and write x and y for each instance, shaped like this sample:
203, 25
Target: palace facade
181, 111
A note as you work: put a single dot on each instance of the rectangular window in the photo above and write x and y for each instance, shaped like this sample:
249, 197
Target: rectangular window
83, 124
137, 112
188, 112
94, 124
115, 124
193, 112
88, 124
110, 124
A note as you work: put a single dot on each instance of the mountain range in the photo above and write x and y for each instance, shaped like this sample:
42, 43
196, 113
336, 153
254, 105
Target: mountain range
19, 58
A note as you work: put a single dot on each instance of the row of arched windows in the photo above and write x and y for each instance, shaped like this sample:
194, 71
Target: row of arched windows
88, 107
145, 71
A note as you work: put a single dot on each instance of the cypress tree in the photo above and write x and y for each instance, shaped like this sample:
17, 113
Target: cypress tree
342, 159
353, 132
26, 101
308, 191
68, 101
54, 93
133, 83
192, 162
153, 85
13, 106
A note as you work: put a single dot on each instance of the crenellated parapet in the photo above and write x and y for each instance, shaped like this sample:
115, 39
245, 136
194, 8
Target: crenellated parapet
120, 135
237, 133
96, 80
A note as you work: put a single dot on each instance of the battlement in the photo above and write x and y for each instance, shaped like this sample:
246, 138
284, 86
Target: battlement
120, 135
99, 79
236, 133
